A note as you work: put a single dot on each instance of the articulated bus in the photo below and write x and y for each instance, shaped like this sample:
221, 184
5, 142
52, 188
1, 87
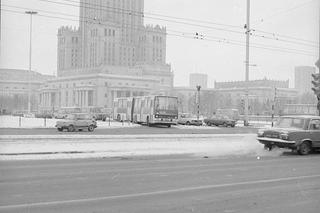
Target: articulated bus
147, 110
122, 109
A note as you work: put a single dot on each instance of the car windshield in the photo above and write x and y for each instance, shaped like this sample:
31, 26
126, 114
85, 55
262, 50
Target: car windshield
297, 123
70, 117
166, 105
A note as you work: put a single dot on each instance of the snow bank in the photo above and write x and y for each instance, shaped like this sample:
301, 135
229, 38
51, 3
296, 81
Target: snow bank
13, 148
22, 122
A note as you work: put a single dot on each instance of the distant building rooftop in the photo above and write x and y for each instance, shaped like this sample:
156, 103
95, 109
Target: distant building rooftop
22, 75
254, 83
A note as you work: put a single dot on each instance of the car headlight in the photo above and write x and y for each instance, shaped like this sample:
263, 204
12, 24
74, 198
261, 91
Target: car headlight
260, 132
284, 135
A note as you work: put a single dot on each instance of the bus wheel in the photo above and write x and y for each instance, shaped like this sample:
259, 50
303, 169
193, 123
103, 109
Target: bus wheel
71, 128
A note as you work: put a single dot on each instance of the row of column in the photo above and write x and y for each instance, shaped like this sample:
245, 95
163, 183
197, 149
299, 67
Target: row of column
81, 98
46, 99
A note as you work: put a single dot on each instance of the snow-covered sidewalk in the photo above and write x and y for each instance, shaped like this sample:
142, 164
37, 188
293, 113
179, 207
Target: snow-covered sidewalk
85, 146
22, 122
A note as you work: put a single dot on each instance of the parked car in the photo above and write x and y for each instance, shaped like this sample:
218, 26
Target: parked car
77, 121
220, 120
29, 115
59, 115
43, 115
188, 119
100, 116
18, 113
300, 133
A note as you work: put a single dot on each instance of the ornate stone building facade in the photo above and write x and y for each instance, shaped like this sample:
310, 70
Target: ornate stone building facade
14, 88
111, 32
111, 54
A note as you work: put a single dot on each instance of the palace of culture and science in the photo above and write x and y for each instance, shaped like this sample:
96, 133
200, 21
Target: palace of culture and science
112, 54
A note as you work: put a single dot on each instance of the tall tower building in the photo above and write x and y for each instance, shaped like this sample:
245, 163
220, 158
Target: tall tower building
302, 78
112, 33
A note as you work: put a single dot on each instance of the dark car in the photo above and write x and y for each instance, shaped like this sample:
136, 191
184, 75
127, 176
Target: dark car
300, 133
100, 116
220, 120
77, 121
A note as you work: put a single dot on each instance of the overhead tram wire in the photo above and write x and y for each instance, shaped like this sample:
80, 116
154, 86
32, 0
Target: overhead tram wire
284, 11
156, 14
217, 39
131, 12
282, 40
183, 35
275, 35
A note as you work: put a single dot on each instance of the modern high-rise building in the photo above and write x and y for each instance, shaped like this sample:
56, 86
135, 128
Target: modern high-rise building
303, 78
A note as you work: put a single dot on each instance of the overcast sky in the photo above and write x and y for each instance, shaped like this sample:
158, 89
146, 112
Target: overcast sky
290, 26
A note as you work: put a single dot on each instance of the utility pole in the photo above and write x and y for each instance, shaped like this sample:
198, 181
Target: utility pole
246, 102
316, 76
30, 57
273, 105
318, 63
198, 111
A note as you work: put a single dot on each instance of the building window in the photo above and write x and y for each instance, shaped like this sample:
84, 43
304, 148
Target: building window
67, 98
90, 98
118, 94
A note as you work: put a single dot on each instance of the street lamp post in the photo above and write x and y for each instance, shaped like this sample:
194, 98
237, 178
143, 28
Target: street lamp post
246, 102
30, 54
198, 106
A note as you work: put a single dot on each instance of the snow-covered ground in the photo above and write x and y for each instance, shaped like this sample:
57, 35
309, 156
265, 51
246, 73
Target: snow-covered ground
22, 122
88, 146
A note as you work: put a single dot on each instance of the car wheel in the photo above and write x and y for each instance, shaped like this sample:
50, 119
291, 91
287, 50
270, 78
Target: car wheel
169, 125
188, 123
90, 128
225, 124
304, 148
71, 128
60, 129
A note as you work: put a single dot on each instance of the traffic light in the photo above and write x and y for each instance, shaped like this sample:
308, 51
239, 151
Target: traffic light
316, 84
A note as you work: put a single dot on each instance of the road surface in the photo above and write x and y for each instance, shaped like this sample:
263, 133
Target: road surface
286, 183
132, 130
